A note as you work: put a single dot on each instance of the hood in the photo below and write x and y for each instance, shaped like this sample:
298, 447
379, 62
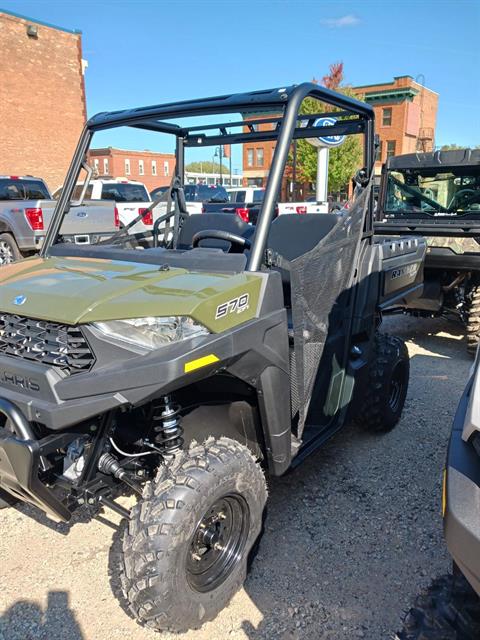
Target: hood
82, 290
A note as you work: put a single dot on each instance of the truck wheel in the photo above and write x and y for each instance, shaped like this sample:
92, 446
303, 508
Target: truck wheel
186, 548
387, 385
473, 321
9, 251
448, 610
6, 500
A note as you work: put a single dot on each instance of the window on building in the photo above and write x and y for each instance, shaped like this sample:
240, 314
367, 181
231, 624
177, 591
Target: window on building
166, 168
127, 167
378, 154
387, 117
106, 170
96, 165
391, 144
154, 167
249, 157
141, 168
260, 157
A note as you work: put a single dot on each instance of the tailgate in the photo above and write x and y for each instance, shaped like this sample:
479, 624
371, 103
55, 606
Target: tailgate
402, 262
92, 217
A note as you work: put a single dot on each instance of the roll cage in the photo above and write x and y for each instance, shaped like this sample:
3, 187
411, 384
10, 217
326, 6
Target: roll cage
356, 118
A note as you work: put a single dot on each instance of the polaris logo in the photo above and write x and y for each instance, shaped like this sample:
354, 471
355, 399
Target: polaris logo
29, 384
20, 300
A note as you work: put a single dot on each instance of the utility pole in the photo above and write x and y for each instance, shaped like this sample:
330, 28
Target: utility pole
220, 156
294, 172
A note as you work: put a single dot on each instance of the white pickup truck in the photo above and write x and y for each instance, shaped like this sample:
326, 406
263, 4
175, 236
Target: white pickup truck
302, 207
131, 199
26, 208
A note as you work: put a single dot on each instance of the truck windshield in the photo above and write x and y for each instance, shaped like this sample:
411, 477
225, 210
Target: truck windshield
451, 191
205, 193
125, 192
21, 189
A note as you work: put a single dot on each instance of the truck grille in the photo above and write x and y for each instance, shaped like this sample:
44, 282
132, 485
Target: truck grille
57, 345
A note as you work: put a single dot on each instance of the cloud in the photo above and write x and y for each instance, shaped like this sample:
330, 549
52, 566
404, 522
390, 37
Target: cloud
338, 23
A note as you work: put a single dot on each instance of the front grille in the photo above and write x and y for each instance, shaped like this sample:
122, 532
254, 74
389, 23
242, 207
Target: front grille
57, 345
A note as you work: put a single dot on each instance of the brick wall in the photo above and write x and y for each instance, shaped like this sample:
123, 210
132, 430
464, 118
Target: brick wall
119, 160
256, 170
409, 115
42, 109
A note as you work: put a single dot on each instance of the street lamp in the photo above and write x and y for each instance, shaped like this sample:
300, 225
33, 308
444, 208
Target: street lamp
218, 152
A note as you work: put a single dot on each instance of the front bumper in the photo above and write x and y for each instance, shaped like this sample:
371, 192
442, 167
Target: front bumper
462, 494
21, 461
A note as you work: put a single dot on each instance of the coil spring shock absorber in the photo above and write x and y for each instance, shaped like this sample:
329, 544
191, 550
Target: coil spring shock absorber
167, 426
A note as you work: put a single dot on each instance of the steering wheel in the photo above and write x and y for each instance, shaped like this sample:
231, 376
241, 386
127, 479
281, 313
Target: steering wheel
217, 234
462, 194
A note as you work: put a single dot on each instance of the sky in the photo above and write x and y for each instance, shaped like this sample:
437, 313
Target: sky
150, 51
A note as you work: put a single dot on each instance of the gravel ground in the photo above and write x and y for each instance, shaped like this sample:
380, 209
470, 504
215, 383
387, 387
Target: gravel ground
351, 536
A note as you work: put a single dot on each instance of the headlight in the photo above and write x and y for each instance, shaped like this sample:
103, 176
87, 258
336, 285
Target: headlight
152, 333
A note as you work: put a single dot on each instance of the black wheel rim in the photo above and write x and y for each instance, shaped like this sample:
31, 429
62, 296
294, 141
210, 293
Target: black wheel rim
218, 543
397, 384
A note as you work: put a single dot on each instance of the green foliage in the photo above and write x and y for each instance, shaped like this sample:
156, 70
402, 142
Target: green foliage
206, 166
453, 147
344, 160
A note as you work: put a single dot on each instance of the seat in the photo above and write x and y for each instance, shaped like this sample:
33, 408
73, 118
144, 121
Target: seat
293, 236
222, 221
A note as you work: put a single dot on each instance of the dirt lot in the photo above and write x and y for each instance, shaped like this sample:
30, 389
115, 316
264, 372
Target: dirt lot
351, 536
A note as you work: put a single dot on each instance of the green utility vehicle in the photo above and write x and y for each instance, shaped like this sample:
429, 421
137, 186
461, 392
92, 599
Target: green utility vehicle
185, 363
437, 195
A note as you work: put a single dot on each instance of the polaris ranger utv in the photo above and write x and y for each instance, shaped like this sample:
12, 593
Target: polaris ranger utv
450, 608
437, 195
185, 363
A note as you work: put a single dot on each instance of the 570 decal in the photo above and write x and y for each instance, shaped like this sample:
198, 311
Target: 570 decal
235, 305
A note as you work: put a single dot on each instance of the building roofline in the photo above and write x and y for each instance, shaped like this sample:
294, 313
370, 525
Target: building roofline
76, 32
143, 151
385, 84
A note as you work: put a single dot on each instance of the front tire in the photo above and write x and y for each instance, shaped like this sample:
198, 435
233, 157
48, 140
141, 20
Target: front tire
473, 320
386, 385
187, 545
448, 610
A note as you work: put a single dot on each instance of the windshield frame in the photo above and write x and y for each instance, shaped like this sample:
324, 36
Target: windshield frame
357, 118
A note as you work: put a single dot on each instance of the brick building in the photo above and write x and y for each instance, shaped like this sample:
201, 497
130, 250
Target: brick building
405, 116
150, 167
257, 156
42, 109
405, 119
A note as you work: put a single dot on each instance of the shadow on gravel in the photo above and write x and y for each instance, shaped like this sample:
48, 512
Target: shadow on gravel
28, 621
82, 516
442, 336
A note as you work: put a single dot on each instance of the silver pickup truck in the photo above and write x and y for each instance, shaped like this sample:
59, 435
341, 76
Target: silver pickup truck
26, 208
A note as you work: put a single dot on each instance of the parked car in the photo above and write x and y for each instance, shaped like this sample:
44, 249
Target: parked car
131, 199
159, 191
26, 208
246, 195
302, 208
449, 608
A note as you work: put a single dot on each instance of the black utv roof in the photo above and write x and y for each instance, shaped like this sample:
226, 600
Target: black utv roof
450, 158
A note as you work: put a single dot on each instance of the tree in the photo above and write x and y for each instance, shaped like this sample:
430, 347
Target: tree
453, 147
206, 166
344, 160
